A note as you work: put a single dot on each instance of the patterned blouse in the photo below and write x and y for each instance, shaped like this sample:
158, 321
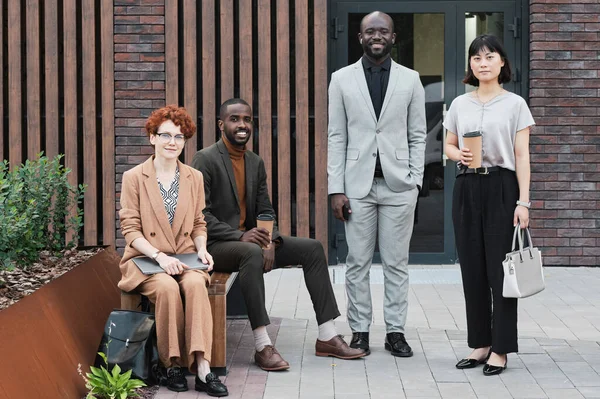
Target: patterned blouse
170, 196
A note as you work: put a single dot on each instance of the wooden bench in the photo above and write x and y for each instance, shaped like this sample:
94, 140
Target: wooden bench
217, 295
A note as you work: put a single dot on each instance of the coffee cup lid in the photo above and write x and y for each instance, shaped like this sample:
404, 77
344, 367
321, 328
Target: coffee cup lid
265, 216
476, 133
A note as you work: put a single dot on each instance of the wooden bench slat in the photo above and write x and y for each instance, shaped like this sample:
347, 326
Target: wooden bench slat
220, 283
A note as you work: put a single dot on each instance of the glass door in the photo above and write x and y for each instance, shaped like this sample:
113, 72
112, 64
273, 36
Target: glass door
496, 18
424, 33
432, 37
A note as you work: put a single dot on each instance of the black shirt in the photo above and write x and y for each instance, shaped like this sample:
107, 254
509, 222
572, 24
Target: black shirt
377, 81
377, 77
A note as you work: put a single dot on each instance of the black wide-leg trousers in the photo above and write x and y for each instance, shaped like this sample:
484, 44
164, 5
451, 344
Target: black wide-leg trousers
482, 211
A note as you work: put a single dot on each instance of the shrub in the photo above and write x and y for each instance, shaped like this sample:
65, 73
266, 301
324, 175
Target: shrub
36, 201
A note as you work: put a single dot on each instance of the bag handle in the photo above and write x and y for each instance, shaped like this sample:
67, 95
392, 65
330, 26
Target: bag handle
520, 234
515, 233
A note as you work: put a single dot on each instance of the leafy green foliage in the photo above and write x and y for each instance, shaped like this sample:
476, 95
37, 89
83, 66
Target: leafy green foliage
104, 384
36, 201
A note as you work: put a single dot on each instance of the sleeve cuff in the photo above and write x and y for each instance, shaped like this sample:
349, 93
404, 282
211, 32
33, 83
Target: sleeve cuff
131, 237
199, 234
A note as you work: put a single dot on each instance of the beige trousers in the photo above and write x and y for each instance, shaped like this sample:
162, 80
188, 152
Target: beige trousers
180, 334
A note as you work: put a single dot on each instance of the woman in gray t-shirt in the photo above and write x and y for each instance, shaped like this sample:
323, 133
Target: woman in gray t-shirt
489, 201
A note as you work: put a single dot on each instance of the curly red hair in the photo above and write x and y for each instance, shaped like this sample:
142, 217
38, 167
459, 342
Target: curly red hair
178, 115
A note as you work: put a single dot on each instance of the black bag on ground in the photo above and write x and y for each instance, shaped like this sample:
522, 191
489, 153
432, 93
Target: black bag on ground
131, 339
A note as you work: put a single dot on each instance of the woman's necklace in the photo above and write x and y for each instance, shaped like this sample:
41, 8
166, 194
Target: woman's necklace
490, 99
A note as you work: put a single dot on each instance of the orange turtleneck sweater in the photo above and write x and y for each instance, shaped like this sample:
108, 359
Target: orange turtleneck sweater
239, 172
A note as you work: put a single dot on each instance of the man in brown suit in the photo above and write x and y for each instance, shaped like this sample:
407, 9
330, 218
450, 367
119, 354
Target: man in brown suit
235, 185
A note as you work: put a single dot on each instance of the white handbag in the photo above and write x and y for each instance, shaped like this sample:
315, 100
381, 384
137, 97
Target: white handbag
523, 272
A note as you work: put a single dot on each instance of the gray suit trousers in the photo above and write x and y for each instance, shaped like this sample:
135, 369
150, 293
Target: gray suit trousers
387, 216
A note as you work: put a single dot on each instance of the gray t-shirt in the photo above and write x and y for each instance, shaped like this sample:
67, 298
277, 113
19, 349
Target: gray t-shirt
499, 120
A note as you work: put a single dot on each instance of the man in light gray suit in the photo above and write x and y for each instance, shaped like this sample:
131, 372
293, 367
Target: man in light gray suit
376, 152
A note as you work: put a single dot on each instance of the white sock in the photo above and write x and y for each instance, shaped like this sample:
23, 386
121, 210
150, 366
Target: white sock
261, 338
327, 331
203, 369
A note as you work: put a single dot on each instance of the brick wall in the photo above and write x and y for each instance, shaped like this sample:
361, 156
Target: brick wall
139, 81
565, 156
564, 99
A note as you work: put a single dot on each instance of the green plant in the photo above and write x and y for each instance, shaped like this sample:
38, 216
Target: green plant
36, 201
104, 384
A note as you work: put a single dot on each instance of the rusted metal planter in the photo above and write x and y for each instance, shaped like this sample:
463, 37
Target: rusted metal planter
45, 335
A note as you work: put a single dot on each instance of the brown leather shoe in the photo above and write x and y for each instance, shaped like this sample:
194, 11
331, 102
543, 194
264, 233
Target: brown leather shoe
337, 347
270, 360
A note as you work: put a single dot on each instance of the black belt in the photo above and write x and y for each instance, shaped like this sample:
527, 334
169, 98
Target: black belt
479, 171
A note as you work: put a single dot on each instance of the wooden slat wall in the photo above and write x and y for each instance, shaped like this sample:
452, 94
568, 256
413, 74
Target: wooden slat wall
320, 101
246, 55
290, 107
90, 228
283, 117
264, 88
171, 53
190, 65
70, 90
32, 27
226, 55
108, 122
302, 169
51, 76
208, 86
14, 83
64, 105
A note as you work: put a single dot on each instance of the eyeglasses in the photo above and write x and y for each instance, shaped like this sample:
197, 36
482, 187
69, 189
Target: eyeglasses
165, 138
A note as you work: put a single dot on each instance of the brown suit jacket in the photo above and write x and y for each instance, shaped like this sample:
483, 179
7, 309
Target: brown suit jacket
143, 214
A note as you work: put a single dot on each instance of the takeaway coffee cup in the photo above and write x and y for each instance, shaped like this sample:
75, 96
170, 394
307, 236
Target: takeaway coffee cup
473, 142
266, 221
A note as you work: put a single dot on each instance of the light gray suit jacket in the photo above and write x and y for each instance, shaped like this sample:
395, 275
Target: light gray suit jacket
355, 134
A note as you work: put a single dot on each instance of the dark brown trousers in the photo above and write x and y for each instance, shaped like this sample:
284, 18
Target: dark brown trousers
247, 258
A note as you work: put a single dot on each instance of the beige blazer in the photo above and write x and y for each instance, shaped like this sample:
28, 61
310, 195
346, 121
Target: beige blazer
143, 214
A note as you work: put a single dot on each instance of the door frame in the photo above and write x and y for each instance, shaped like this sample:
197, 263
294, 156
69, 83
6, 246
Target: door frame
454, 35
510, 46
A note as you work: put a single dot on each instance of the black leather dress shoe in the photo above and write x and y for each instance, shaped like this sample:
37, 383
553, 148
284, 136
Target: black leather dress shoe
176, 380
489, 369
471, 363
213, 386
360, 340
396, 343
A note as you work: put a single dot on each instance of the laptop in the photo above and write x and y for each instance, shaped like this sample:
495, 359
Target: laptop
149, 266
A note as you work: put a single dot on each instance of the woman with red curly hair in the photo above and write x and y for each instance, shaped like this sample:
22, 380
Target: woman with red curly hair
161, 213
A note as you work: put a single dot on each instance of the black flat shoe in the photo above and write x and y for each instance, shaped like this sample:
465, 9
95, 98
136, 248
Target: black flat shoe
469, 363
360, 340
176, 381
488, 369
472, 363
396, 343
213, 386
